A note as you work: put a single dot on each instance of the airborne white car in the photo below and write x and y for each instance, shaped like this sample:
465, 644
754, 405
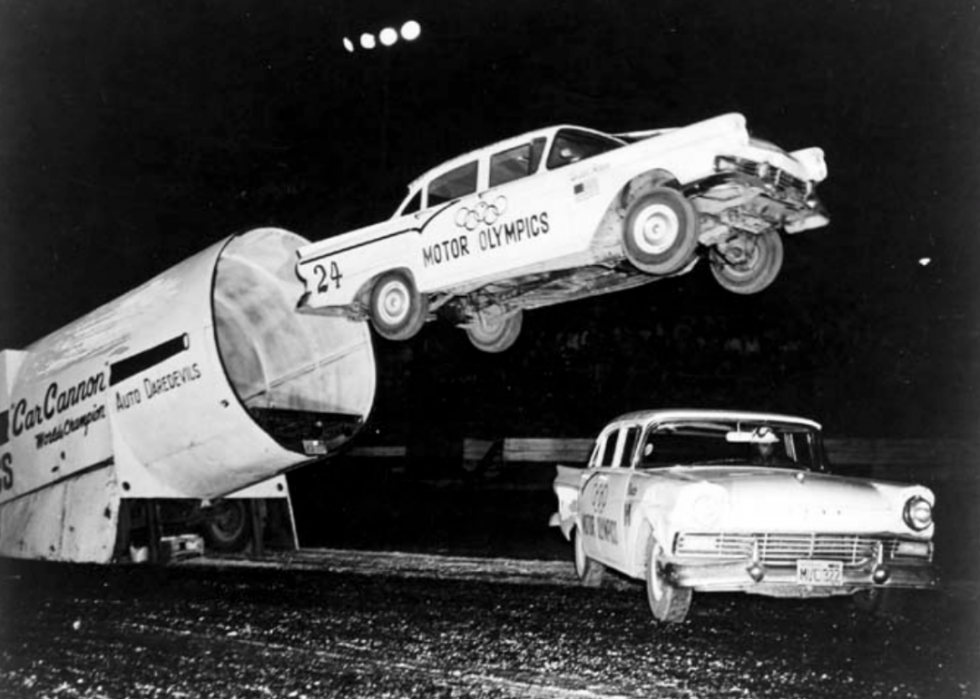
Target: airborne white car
723, 501
564, 213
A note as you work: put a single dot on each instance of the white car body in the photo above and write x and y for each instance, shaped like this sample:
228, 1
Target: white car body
539, 219
680, 498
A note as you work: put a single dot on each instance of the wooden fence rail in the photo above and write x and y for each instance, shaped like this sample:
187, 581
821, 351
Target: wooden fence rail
897, 458
929, 459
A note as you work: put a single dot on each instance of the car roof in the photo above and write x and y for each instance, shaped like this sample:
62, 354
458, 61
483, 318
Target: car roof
681, 414
546, 132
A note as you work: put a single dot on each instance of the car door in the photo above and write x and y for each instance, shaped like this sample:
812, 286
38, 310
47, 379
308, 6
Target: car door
594, 498
513, 210
446, 249
548, 216
530, 226
621, 495
604, 495
498, 218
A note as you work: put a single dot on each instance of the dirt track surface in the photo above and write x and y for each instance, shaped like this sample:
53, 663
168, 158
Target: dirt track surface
327, 623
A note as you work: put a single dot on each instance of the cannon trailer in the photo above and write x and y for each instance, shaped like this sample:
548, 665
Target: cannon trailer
192, 387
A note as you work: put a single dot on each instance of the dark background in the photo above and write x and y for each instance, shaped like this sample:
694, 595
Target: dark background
133, 135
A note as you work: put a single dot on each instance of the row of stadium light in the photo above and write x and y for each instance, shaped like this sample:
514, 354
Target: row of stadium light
410, 31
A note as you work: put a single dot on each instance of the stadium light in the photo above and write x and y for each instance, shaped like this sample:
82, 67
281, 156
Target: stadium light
389, 36
411, 30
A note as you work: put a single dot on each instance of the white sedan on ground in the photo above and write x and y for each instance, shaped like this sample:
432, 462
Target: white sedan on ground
722, 501
563, 213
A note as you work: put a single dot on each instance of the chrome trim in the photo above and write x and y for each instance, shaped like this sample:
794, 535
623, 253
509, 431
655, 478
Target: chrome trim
786, 549
720, 576
766, 173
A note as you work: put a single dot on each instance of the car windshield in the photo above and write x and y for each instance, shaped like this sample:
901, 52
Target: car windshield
731, 442
572, 145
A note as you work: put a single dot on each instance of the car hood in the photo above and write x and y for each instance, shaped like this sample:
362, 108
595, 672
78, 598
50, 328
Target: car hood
773, 499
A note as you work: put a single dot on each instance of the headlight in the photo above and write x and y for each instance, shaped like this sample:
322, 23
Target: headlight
725, 163
918, 513
697, 543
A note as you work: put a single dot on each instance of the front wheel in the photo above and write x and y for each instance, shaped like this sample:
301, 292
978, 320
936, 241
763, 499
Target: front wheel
748, 263
668, 603
661, 232
398, 311
589, 571
495, 334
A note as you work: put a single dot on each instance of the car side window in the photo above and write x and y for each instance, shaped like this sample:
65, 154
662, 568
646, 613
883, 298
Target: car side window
515, 163
662, 449
594, 455
414, 204
629, 445
571, 146
454, 184
609, 450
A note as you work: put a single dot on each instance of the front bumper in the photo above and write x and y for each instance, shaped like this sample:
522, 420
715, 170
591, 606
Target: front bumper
781, 580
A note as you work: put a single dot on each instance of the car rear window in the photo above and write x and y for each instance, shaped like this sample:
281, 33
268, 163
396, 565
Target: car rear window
413, 205
609, 450
454, 184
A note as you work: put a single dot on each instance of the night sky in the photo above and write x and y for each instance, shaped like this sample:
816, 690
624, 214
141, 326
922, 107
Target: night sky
134, 134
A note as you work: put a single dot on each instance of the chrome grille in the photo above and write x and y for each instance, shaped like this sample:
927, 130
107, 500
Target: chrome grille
776, 549
769, 174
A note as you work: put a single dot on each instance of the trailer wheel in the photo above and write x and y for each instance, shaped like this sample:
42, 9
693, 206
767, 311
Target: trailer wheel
398, 310
668, 603
749, 265
589, 570
495, 334
661, 231
228, 526
120, 550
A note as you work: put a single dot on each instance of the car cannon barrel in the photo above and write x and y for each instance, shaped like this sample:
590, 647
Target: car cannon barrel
199, 383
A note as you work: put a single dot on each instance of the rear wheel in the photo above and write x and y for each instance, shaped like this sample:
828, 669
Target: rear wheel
496, 333
668, 603
661, 231
748, 263
589, 571
398, 311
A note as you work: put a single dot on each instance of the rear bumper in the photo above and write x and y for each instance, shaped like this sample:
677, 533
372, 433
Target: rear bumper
781, 580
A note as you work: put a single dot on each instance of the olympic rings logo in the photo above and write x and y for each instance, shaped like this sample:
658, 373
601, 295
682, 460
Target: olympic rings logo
600, 497
481, 213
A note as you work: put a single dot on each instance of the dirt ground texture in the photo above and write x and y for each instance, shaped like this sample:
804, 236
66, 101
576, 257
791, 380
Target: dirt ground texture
456, 590
328, 623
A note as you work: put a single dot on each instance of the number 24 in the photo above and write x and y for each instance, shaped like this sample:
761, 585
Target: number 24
323, 284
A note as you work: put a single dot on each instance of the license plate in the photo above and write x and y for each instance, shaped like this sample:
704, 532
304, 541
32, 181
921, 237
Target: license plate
820, 573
